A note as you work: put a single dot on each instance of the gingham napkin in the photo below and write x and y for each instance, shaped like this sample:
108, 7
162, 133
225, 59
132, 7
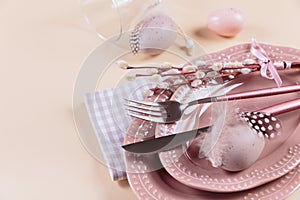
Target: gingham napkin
109, 121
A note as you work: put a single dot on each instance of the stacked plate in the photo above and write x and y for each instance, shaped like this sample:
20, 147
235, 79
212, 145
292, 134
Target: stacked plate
183, 174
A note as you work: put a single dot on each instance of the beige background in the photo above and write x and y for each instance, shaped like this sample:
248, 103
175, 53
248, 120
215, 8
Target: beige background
42, 46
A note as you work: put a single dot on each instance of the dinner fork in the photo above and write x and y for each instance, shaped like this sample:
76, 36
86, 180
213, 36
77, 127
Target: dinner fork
171, 111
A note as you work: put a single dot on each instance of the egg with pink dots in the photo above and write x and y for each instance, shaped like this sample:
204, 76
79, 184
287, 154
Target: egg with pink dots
226, 22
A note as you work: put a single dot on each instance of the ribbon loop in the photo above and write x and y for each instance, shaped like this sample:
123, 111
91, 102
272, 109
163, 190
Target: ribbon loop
268, 70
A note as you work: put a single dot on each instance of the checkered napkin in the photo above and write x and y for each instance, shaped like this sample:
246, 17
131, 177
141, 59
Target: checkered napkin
110, 122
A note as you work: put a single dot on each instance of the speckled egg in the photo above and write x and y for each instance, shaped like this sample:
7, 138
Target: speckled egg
154, 34
226, 22
243, 147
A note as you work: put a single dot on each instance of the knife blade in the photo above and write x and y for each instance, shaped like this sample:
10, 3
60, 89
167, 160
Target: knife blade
164, 143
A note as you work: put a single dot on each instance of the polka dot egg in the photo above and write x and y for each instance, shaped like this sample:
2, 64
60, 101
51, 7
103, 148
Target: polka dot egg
153, 34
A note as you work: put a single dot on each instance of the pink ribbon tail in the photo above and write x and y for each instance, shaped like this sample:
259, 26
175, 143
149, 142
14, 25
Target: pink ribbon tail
267, 65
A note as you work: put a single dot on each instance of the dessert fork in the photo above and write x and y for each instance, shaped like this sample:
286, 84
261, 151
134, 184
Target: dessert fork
171, 111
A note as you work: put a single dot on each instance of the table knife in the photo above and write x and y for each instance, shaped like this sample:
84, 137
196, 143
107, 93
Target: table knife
164, 143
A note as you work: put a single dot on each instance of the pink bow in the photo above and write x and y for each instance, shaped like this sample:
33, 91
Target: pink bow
268, 70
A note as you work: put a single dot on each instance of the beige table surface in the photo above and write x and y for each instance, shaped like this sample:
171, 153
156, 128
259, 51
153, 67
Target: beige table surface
42, 46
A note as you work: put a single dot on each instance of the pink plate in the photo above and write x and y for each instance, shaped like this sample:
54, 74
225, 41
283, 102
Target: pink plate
149, 180
279, 156
159, 184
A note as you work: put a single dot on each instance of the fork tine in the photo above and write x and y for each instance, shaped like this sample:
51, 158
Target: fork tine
145, 108
145, 103
146, 112
147, 118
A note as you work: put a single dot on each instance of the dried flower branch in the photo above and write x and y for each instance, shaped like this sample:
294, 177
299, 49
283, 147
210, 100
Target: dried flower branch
201, 74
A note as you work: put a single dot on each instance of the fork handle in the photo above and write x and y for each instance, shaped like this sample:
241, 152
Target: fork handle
259, 93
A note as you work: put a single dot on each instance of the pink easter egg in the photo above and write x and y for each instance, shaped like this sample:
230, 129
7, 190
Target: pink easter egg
154, 34
242, 149
226, 22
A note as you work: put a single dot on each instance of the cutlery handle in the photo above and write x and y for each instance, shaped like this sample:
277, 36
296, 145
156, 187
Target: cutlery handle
282, 107
247, 95
259, 93
295, 65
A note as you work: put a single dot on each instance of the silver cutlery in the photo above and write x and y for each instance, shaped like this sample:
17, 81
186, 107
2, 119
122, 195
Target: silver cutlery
262, 121
171, 111
164, 143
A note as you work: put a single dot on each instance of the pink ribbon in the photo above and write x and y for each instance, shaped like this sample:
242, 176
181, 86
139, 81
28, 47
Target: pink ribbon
268, 69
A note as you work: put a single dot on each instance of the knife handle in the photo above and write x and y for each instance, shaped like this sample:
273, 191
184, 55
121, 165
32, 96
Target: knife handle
282, 107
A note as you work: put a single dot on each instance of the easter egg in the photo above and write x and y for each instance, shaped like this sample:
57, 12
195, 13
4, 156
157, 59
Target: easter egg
154, 34
226, 22
243, 147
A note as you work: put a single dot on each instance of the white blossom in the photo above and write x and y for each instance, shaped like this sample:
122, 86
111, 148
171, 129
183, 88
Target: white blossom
122, 64
233, 64
171, 71
196, 83
131, 77
167, 65
152, 71
148, 93
200, 63
249, 61
245, 70
213, 81
212, 74
231, 76
155, 78
199, 74
189, 68
217, 66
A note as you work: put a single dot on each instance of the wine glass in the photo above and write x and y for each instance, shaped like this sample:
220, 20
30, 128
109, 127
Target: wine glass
109, 18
